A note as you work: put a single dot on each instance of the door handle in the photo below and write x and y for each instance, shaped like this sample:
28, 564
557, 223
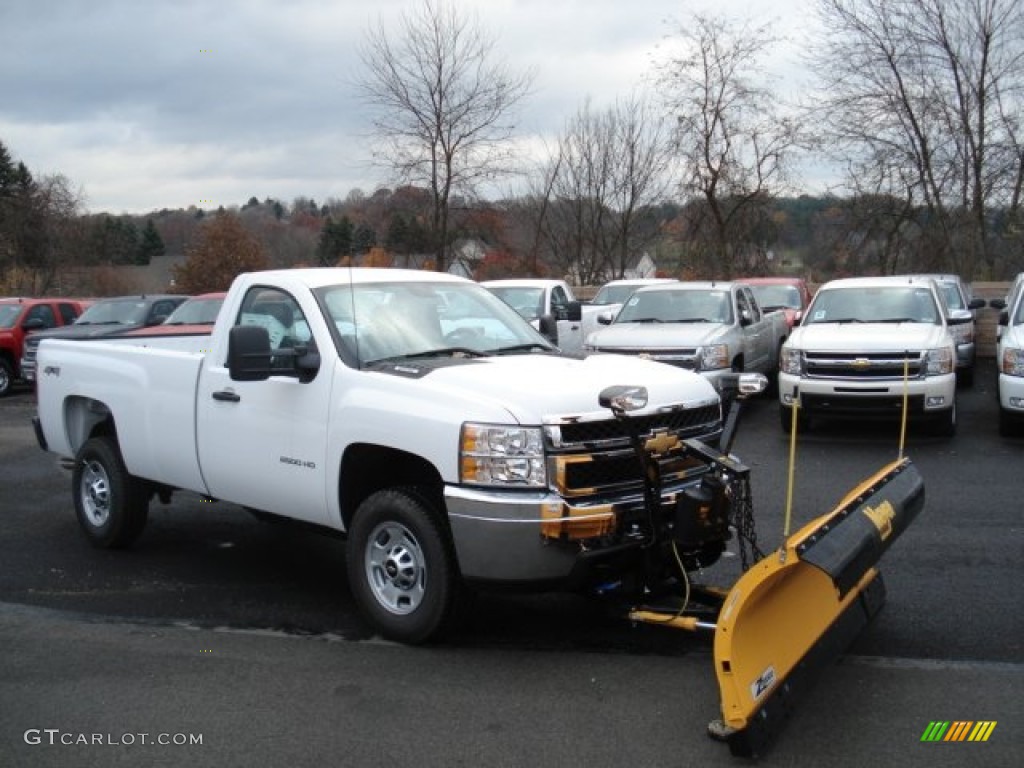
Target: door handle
226, 396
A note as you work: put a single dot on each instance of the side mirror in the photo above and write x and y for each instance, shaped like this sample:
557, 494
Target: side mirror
35, 324
157, 319
1004, 317
249, 353
746, 318
742, 385
574, 311
997, 303
605, 318
976, 304
960, 317
548, 327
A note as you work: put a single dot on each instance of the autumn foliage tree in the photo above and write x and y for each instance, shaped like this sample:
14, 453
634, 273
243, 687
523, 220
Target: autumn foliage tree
223, 251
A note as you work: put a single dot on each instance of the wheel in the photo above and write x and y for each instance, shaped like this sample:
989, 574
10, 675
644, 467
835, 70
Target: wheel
6, 377
111, 504
945, 423
401, 566
803, 423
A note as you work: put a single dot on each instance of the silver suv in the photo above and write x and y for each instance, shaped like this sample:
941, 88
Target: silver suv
960, 314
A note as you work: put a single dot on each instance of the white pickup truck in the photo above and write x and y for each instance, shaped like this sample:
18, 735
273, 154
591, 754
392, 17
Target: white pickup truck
713, 328
413, 411
547, 304
866, 345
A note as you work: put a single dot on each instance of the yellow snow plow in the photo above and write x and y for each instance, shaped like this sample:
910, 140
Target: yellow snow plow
794, 610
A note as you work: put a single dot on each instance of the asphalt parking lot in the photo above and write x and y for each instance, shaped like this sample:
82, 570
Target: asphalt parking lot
220, 626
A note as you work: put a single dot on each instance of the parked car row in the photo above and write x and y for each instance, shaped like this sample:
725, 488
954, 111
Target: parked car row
24, 323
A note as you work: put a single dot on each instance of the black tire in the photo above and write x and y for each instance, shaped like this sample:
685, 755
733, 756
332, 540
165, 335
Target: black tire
6, 377
112, 505
944, 425
401, 566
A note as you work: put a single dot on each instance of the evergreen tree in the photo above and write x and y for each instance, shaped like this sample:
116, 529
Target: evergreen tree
152, 244
363, 238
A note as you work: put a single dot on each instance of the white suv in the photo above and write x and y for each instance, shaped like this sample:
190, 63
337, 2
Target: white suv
1010, 359
862, 345
960, 316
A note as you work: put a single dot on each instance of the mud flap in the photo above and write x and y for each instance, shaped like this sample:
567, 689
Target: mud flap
798, 609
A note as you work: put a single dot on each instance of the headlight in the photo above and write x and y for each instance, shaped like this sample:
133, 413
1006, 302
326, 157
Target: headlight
493, 454
939, 361
714, 357
1012, 363
791, 361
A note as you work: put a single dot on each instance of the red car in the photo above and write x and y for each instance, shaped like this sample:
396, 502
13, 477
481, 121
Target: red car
790, 294
18, 318
194, 316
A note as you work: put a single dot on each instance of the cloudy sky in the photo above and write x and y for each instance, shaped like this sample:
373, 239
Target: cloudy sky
171, 103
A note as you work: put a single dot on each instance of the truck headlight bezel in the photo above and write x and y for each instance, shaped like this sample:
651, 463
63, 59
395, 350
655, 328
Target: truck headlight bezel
791, 361
714, 357
502, 456
940, 361
1012, 362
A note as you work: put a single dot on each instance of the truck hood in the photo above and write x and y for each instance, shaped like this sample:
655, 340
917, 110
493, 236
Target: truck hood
532, 387
656, 335
84, 331
869, 337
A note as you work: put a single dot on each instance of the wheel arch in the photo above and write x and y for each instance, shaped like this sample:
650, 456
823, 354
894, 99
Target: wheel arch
86, 417
368, 468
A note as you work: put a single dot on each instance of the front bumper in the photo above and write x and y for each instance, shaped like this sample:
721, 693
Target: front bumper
876, 398
1011, 394
513, 537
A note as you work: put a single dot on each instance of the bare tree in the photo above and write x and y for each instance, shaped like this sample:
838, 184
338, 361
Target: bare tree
606, 168
732, 143
924, 100
442, 106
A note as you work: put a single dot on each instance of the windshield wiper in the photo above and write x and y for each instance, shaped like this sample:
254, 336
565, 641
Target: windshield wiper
693, 320
439, 352
898, 320
841, 320
643, 320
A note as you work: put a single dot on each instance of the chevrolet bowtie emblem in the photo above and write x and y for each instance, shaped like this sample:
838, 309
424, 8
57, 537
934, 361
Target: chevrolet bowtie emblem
861, 363
661, 442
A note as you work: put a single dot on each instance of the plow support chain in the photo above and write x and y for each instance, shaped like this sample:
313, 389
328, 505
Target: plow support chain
799, 608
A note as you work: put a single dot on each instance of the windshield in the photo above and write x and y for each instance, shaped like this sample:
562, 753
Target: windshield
693, 305
772, 296
613, 294
1018, 318
951, 295
527, 301
8, 314
131, 312
388, 321
874, 304
195, 312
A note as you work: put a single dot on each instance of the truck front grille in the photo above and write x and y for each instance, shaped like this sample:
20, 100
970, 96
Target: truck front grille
594, 459
863, 366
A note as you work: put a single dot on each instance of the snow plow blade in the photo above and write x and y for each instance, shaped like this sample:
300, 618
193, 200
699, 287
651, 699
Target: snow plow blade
799, 608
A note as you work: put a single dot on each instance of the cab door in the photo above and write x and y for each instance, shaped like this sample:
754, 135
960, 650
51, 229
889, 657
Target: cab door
756, 339
262, 444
